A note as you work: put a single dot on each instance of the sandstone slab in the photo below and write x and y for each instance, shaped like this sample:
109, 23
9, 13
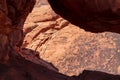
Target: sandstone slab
71, 49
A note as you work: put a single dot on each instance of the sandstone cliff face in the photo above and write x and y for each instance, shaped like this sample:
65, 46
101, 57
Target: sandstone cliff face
69, 48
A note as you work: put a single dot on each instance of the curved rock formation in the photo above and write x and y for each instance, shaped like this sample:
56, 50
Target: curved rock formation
94, 16
14, 67
69, 48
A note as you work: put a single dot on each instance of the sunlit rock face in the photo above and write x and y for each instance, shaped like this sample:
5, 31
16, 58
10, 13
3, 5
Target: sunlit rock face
68, 47
12, 16
41, 2
94, 16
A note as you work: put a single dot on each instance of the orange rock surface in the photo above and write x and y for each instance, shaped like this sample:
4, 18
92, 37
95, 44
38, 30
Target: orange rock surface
45, 37
69, 48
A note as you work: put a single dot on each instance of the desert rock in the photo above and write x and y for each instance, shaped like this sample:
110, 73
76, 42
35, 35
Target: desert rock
71, 49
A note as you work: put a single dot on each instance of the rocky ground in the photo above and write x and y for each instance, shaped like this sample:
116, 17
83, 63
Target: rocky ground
69, 48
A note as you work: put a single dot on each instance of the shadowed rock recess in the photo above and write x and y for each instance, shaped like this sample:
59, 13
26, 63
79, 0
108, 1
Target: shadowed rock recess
14, 64
95, 15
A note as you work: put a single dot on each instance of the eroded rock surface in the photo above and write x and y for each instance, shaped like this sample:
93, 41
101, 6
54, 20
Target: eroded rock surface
69, 48
17, 63
12, 16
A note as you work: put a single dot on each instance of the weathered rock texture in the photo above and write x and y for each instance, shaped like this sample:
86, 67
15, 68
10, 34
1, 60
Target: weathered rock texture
69, 48
41, 2
12, 16
12, 66
21, 69
13, 63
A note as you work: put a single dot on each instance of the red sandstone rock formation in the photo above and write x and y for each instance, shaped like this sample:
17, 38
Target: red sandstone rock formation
12, 16
67, 47
14, 67
94, 16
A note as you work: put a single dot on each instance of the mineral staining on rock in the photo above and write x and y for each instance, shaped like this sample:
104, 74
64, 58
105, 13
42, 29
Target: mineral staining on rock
68, 47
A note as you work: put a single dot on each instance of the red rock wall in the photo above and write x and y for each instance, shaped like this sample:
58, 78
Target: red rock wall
68, 47
12, 16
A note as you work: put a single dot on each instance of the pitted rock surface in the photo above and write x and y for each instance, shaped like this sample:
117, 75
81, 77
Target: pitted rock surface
17, 63
69, 48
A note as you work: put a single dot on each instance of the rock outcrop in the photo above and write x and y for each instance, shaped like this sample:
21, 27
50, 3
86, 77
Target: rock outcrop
13, 13
94, 16
18, 63
67, 47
